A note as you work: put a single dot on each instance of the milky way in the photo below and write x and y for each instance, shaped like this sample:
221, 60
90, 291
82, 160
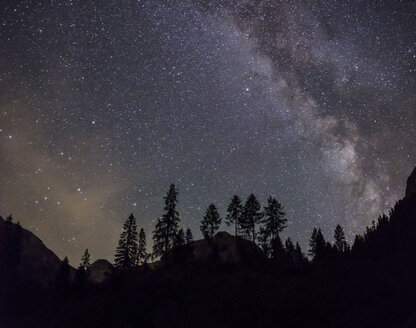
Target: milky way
102, 106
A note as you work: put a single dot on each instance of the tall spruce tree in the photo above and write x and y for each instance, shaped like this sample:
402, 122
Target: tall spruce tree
274, 220
251, 217
180, 238
142, 248
188, 236
340, 241
317, 244
234, 212
277, 249
290, 249
127, 245
80, 279
299, 256
167, 225
211, 222
85, 260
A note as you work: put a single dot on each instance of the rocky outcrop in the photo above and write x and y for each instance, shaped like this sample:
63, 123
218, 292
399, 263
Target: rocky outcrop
99, 271
228, 249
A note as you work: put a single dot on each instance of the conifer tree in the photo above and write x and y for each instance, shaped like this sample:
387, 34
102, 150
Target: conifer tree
85, 260
234, 212
274, 220
81, 274
188, 244
317, 244
142, 248
290, 249
340, 242
264, 242
188, 236
127, 246
180, 238
299, 257
277, 249
167, 225
211, 222
251, 217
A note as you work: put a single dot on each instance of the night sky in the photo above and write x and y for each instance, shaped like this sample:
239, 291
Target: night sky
104, 104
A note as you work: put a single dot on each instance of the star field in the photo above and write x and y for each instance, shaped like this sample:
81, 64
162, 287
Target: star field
102, 106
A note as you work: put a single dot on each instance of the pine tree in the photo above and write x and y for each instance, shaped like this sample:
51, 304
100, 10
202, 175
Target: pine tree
317, 244
299, 257
277, 249
85, 260
211, 222
234, 212
188, 236
180, 238
127, 246
273, 221
274, 217
167, 226
264, 242
81, 274
251, 216
340, 242
290, 249
188, 244
142, 248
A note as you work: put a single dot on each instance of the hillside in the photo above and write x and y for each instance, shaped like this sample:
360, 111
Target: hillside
38, 263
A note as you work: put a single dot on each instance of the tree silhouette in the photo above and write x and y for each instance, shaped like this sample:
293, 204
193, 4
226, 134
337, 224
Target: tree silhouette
277, 250
211, 222
167, 226
317, 244
273, 222
188, 244
81, 274
264, 242
290, 249
251, 217
234, 212
274, 217
299, 256
179, 239
188, 236
339, 237
142, 248
85, 260
127, 245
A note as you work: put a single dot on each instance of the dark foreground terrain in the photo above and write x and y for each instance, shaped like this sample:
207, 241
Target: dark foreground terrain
371, 285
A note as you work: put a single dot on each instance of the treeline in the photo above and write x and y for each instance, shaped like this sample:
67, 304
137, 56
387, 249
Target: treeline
250, 221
